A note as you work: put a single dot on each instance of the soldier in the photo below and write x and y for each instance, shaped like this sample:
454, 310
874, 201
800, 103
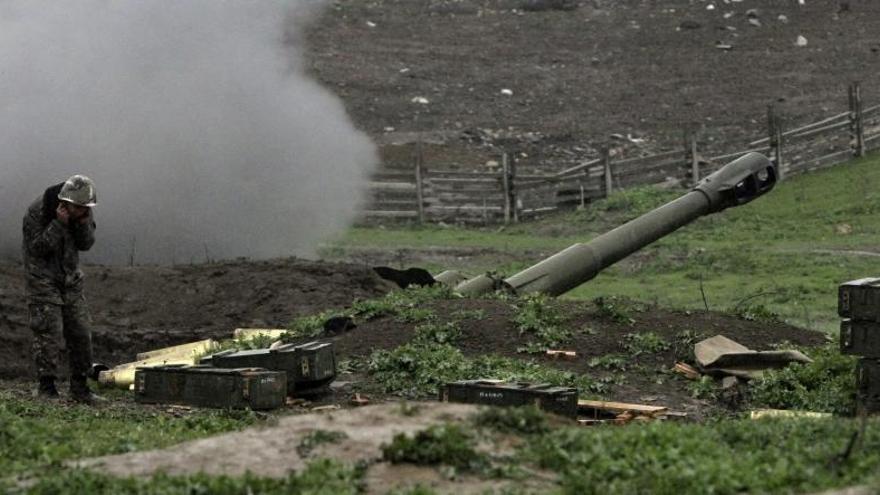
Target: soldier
57, 226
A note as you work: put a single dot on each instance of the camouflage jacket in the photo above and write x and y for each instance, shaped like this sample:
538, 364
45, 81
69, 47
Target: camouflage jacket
51, 251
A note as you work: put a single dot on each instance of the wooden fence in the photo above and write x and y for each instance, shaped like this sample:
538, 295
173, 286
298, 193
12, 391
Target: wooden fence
433, 195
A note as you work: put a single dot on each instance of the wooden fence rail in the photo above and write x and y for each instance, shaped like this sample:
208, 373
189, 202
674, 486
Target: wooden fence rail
430, 195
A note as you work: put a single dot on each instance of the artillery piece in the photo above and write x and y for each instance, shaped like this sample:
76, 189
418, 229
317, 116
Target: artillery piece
734, 184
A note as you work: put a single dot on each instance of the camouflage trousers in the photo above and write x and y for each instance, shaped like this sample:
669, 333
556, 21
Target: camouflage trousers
52, 322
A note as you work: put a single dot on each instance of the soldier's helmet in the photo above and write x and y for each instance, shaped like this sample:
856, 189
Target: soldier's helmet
79, 190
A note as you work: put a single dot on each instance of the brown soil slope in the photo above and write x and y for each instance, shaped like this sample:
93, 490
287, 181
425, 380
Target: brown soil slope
636, 67
140, 308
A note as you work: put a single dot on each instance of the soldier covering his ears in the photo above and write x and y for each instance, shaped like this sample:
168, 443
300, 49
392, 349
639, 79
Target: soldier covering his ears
58, 225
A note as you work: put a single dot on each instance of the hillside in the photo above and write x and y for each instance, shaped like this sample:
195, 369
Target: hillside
635, 68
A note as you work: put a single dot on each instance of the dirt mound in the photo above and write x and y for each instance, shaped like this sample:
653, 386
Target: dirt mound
139, 308
611, 348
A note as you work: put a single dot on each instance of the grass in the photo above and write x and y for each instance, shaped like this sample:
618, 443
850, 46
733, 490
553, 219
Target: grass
785, 253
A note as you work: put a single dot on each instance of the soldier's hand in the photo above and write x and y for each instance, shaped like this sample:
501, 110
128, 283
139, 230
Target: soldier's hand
62, 214
85, 218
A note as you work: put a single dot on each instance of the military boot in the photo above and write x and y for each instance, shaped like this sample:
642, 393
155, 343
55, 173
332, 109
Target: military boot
47, 388
79, 391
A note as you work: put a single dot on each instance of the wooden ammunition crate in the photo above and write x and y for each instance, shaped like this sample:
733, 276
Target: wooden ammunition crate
868, 384
205, 386
859, 299
558, 400
860, 338
309, 367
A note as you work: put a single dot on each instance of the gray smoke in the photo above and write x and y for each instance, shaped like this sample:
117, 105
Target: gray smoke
194, 118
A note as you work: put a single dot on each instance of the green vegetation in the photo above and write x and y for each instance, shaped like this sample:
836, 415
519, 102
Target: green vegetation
321, 477
729, 457
316, 438
405, 305
825, 385
645, 343
448, 444
417, 370
540, 316
41, 435
786, 252
523, 420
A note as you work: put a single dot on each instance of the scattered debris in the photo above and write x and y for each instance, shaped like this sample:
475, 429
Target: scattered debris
687, 370
421, 100
723, 46
720, 355
729, 382
594, 412
561, 354
359, 400
329, 408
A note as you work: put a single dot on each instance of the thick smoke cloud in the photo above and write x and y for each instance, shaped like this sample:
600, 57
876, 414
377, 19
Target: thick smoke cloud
194, 117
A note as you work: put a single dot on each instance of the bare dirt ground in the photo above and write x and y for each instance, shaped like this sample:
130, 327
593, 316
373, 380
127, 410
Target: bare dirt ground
636, 68
274, 451
135, 309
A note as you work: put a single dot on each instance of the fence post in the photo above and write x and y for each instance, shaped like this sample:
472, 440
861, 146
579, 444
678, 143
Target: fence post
505, 183
606, 163
857, 131
774, 132
690, 151
420, 194
511, 204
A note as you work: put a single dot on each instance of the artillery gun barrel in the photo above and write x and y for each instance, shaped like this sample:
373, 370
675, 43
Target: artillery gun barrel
737, 183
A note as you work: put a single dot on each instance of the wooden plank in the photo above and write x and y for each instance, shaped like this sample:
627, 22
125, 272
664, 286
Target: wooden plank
820, 130
737, 154
577, 169
392, 186
459, 174
766, 140
391, 214
621, 407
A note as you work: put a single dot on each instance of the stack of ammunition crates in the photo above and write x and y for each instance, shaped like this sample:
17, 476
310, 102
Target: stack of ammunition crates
859, 304
256, 379
310, 367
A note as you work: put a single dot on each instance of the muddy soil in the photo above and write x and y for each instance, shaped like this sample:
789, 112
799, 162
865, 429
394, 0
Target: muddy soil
641, 69
136, 309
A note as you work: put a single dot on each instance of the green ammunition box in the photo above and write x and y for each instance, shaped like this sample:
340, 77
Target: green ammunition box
557, 400
859, 299
868, 384
205, 386
860, 338
309, 367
